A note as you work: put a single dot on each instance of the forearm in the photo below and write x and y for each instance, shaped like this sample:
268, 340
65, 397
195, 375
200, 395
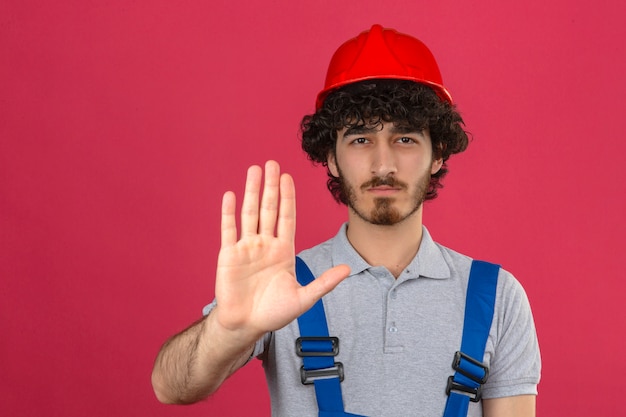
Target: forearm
194, 363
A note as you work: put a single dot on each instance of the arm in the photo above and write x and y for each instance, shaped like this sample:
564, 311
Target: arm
517, 406
255, 288
194, 363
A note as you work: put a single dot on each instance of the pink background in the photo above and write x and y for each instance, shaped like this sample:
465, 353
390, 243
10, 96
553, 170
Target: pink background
123, 122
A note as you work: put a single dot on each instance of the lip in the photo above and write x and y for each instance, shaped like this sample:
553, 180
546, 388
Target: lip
383, 190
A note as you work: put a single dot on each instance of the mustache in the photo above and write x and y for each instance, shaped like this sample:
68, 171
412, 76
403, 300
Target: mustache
383, 181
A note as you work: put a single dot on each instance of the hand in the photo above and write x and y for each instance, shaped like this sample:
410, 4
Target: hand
256, 288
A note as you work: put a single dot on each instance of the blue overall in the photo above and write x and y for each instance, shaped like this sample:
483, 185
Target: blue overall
318, 350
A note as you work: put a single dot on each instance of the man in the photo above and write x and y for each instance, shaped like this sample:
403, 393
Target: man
395, 300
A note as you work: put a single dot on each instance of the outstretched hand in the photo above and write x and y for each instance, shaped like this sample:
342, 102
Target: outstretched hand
256, 288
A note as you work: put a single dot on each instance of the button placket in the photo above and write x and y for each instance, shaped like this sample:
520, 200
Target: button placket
392, 338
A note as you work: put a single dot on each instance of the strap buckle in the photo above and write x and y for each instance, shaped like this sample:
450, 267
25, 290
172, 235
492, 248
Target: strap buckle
317, 346
475, 393
458, 365
309, 376
467, 366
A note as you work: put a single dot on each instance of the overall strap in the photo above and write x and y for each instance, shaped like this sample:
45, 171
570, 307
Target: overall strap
318, 352
466, 384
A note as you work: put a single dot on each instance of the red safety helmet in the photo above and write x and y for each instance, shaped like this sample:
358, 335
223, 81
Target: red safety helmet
383, 53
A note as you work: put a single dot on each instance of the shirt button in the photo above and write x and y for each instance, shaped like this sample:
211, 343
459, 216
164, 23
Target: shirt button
393, 329
394, 294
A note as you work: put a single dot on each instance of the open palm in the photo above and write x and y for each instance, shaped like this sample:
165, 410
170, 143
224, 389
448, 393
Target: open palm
256, 288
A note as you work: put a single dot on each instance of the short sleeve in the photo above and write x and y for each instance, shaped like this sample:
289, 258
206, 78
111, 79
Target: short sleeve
515, 363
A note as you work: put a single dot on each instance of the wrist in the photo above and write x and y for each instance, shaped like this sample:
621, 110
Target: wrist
232, 340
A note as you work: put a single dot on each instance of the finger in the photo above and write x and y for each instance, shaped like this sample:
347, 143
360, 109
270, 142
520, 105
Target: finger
250, 205
286, 229
269, 202
229, 223
323, 284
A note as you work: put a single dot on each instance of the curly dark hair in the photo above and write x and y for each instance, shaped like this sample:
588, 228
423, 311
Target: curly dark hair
372, 102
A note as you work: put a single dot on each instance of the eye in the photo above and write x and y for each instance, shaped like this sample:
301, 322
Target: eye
360, 141
406, 140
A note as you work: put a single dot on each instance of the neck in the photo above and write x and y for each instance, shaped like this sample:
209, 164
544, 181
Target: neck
393, 247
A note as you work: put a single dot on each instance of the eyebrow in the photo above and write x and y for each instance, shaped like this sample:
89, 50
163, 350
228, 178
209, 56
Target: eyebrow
362, 129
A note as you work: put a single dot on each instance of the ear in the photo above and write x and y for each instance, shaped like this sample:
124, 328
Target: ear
437, 163
436, 166
331, 161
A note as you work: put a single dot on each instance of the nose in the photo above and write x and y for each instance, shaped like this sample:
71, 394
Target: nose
383, 161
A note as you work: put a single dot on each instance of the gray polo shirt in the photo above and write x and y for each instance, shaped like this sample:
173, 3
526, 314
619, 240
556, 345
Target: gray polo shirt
398, 336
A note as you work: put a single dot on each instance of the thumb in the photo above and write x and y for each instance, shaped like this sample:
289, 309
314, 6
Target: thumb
323, 284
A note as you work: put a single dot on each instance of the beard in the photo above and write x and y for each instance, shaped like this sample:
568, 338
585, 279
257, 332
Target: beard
384, 212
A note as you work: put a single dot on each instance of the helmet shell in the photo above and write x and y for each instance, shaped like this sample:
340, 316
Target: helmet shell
383, 53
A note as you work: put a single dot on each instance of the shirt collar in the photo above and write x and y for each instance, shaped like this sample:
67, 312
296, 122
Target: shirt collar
429, 261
